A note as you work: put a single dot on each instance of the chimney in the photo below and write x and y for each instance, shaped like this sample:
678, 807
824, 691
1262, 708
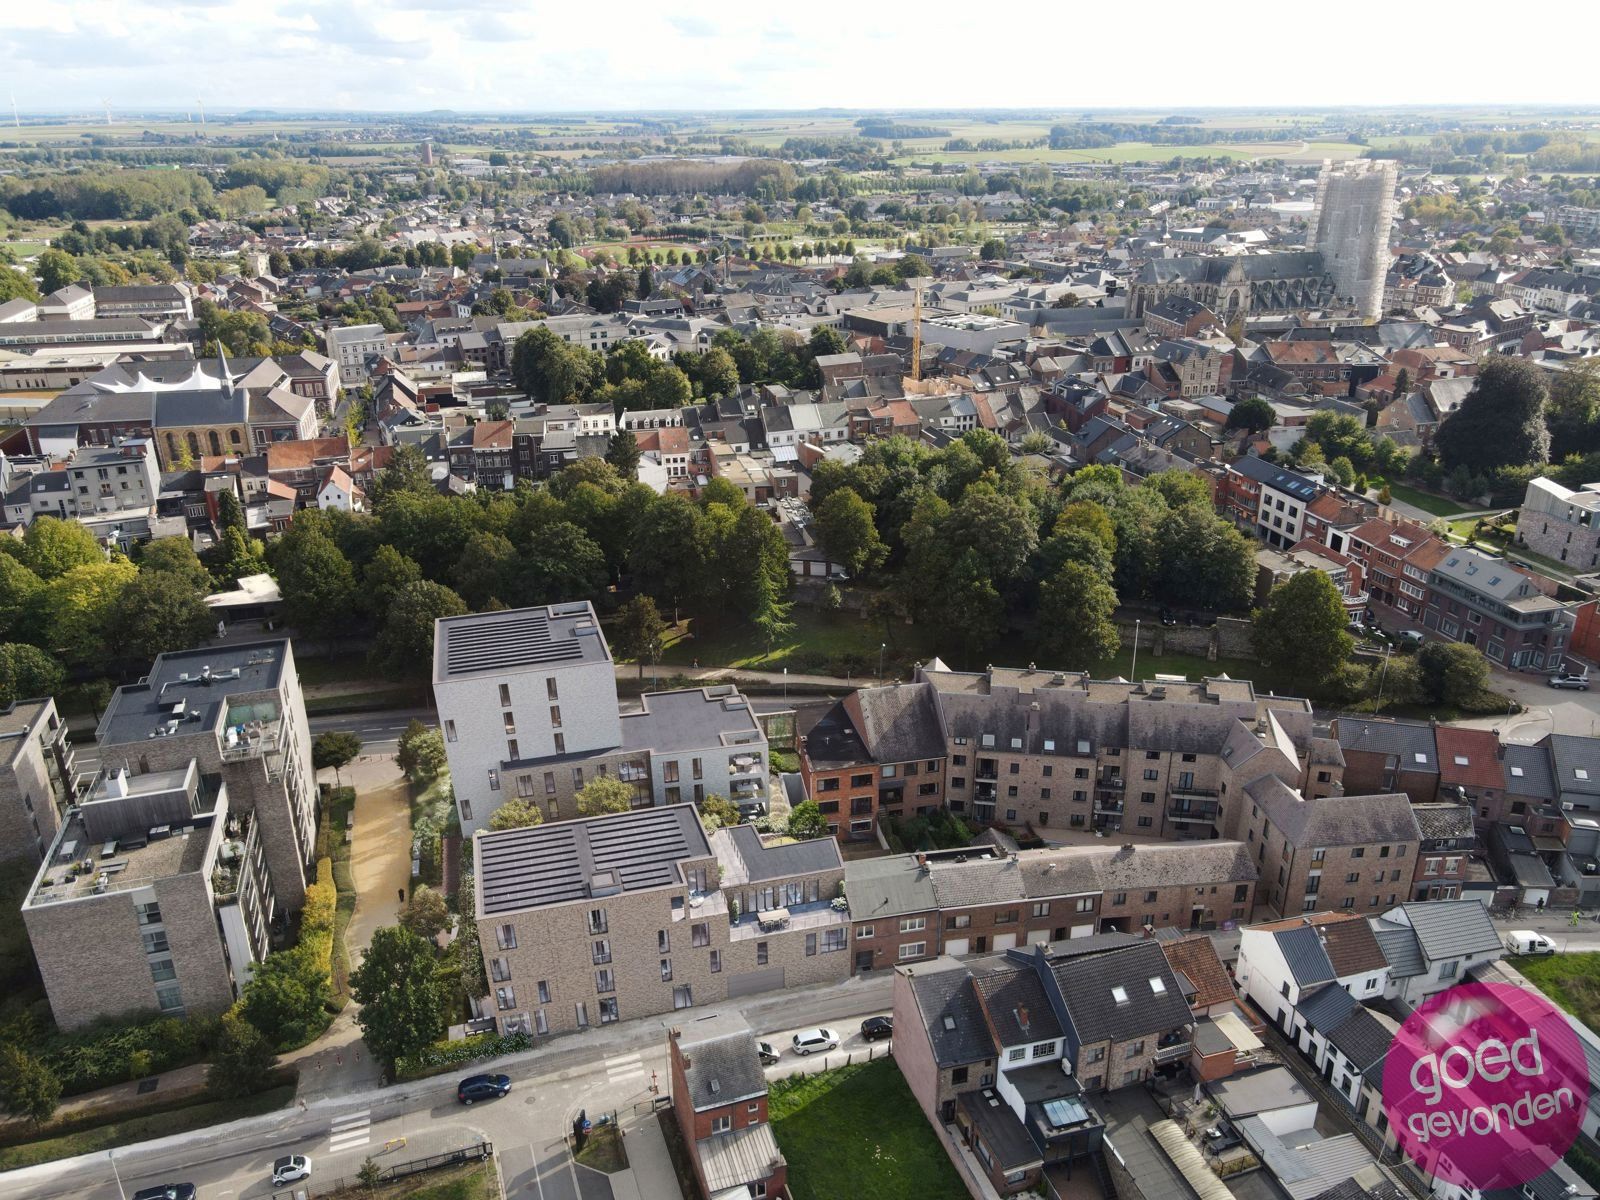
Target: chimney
1022, 1017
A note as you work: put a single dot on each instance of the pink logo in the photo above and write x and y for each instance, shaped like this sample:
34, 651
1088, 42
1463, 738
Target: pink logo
1486, 1085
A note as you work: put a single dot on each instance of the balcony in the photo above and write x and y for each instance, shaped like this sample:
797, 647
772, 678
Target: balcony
1113, 783
1173, 1046
1194, 812
1109, 804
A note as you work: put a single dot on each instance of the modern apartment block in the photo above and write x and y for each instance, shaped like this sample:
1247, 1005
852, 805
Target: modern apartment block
36, 777
597, 920
1561, 523
528, 704
237, 712
155, 897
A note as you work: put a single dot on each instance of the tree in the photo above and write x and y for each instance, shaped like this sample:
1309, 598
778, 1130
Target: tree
407, 474
405, 645
52, 547
1253, 415
240, 1059
516, 813
19, 589
718, 812
156, 612
56, 270
28, 1087
285, 998
1452, 673
27, 672
992, 250
14, 285
1076, 606
1501, 421
848, 533
1402, 383
623, 453
806, 821
76, 609
176, 556
337, 749
420, 753
404, 1000
638, 630
604, 794
318, 583
383, 577
1300, 631
425, 913
1573, 411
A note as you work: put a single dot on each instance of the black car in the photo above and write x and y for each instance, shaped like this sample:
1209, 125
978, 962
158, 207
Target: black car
875, 1029
166, 1191
482, 1087
1168, 617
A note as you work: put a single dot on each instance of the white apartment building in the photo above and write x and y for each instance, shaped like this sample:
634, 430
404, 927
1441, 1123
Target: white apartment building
351, 346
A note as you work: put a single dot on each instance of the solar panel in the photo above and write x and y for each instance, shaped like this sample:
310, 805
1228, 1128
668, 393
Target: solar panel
523, 640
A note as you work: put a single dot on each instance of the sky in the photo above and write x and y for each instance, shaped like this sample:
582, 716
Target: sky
538, 56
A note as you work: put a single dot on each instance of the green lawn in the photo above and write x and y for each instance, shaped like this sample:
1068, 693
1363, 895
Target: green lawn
858, 1132
1571, 981
821, 643
1439, 506
143, 1128
470, 1181
1194, 666
604, 1150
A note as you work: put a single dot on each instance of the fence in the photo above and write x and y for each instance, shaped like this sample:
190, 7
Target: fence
481, 1152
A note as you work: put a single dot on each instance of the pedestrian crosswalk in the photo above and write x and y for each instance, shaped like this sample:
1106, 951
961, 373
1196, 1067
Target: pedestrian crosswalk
351, 1131
624, 1068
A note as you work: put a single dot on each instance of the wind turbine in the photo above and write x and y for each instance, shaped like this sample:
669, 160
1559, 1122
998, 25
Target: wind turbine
202, 105
107, 105
15, 119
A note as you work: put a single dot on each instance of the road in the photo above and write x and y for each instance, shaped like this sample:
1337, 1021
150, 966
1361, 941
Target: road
602, 1071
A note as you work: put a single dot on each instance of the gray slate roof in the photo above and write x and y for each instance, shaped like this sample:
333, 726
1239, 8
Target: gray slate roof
1403, 739
1528, 771
724, 1067
771, 862
1363, 1039
1452, 928
953, 1017
901, 723
1327, 1008
1007, 996
1400, 947
1302, 950
1086, 985
979, 881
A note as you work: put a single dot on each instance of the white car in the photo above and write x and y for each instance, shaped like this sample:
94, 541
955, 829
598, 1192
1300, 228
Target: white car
809, 1041
291, 1168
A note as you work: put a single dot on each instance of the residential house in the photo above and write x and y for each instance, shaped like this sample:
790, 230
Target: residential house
1432, 946
719, 1097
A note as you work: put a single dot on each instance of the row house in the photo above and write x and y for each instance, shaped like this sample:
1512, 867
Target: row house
1397, 561
719, 1097
1268, 501
303, 464
481, 454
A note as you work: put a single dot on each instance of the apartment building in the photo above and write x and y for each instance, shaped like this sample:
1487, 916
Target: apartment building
36, 777
527, 701
1482, 600
597, 920
1268, 501
350, 346
121, 477
1336, 852
154, 897
237, 712
719, 1096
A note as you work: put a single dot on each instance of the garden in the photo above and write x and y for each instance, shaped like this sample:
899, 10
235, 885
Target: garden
857, 1131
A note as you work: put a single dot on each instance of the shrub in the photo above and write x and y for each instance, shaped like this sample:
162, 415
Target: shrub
110, 1052
442, 1055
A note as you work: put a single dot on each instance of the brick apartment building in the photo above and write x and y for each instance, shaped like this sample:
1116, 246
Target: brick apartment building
36, 777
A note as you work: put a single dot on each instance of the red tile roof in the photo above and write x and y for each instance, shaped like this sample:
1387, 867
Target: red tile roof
1481, 751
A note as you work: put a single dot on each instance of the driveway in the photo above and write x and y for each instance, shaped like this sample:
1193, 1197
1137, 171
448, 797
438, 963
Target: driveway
1545, 709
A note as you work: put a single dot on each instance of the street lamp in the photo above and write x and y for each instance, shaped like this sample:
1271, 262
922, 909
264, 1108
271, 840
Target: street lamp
1133, 668
882, 646
786, 685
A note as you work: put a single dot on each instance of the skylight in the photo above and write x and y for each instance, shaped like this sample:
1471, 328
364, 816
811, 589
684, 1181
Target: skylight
949, 1022
1049, 745
1083, 747
1157, 986
1420, 757
1580, 772
1517, 772
1461, 760
1119, 994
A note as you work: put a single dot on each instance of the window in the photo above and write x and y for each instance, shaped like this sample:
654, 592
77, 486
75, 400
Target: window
811, 944
1134, 1049
561, 743
1318, 854
608, 1010
500, 969
541, 1022
555, 716
494, 780
1041, 909
549, 783
859, 781
1085, 904
581, 1011
700, 934
1044, 1050
170, 997
509, 719
1359, 852
683, 997
601, 951
604, 980
155, 943
761, 954
912, 950
1017, 1055
721, 1124
505, 695
663, 941
550, 689
597, 921
913, 924
544, 991
669, 772
161, 970
449, 731
505, 937
505, 997
512, 753
1097, 1055
961, 921
716, 961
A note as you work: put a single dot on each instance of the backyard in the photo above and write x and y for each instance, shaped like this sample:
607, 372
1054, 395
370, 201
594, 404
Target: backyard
1571, 981
1439, 506
857, 1131
469, 1181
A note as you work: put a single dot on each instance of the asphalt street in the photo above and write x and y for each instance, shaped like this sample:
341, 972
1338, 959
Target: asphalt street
603, 1071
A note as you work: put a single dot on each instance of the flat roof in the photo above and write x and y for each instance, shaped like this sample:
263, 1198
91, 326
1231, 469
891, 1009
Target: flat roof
521, 869
201, 681
545, 638
134, 860
691, 719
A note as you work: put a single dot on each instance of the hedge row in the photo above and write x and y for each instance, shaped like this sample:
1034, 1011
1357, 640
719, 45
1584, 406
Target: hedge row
116, 1052
441, 1056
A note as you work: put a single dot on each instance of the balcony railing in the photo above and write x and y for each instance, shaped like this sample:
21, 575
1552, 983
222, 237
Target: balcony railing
1109, 804
1113, 782
1197, 793
1172, 1051
1193, 812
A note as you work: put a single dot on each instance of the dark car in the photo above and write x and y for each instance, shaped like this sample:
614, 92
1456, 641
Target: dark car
766, 1053
166, 1191
482, 1087
1168, 617
875, 1029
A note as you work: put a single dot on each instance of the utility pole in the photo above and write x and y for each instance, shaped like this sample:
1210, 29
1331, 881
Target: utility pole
882, 646
111, 1157
1383, 675
1133, 668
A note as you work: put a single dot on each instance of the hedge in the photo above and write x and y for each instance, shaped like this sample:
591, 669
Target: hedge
441, 1056
116, 1052
317, 921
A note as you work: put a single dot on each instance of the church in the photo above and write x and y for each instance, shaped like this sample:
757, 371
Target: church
1238, 285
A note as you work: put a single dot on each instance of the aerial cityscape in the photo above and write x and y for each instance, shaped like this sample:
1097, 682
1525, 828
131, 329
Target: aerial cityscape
670, 620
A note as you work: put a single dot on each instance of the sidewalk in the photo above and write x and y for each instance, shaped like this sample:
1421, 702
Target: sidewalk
177, 1084
649, 1174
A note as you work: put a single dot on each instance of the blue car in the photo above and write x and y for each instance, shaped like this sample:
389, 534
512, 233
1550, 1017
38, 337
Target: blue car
482, 1087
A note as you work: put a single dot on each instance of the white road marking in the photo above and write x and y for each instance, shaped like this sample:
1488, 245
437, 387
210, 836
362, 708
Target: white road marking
350, 1131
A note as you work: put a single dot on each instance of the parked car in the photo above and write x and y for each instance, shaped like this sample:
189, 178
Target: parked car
875, 1029
482, 1087
1168, 617
1409, 637
766, 1053
166, 1191
291, 1168
1526, 941
1566, 679
809, 1041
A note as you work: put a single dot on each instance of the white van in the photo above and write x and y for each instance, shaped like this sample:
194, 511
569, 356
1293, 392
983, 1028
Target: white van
1526, 941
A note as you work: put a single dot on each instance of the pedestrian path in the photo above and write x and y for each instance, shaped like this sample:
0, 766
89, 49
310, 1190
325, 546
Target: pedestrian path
350, 1132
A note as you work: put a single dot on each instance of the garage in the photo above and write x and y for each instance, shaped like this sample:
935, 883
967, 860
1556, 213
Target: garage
1005, 941
748, 983
956, 946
